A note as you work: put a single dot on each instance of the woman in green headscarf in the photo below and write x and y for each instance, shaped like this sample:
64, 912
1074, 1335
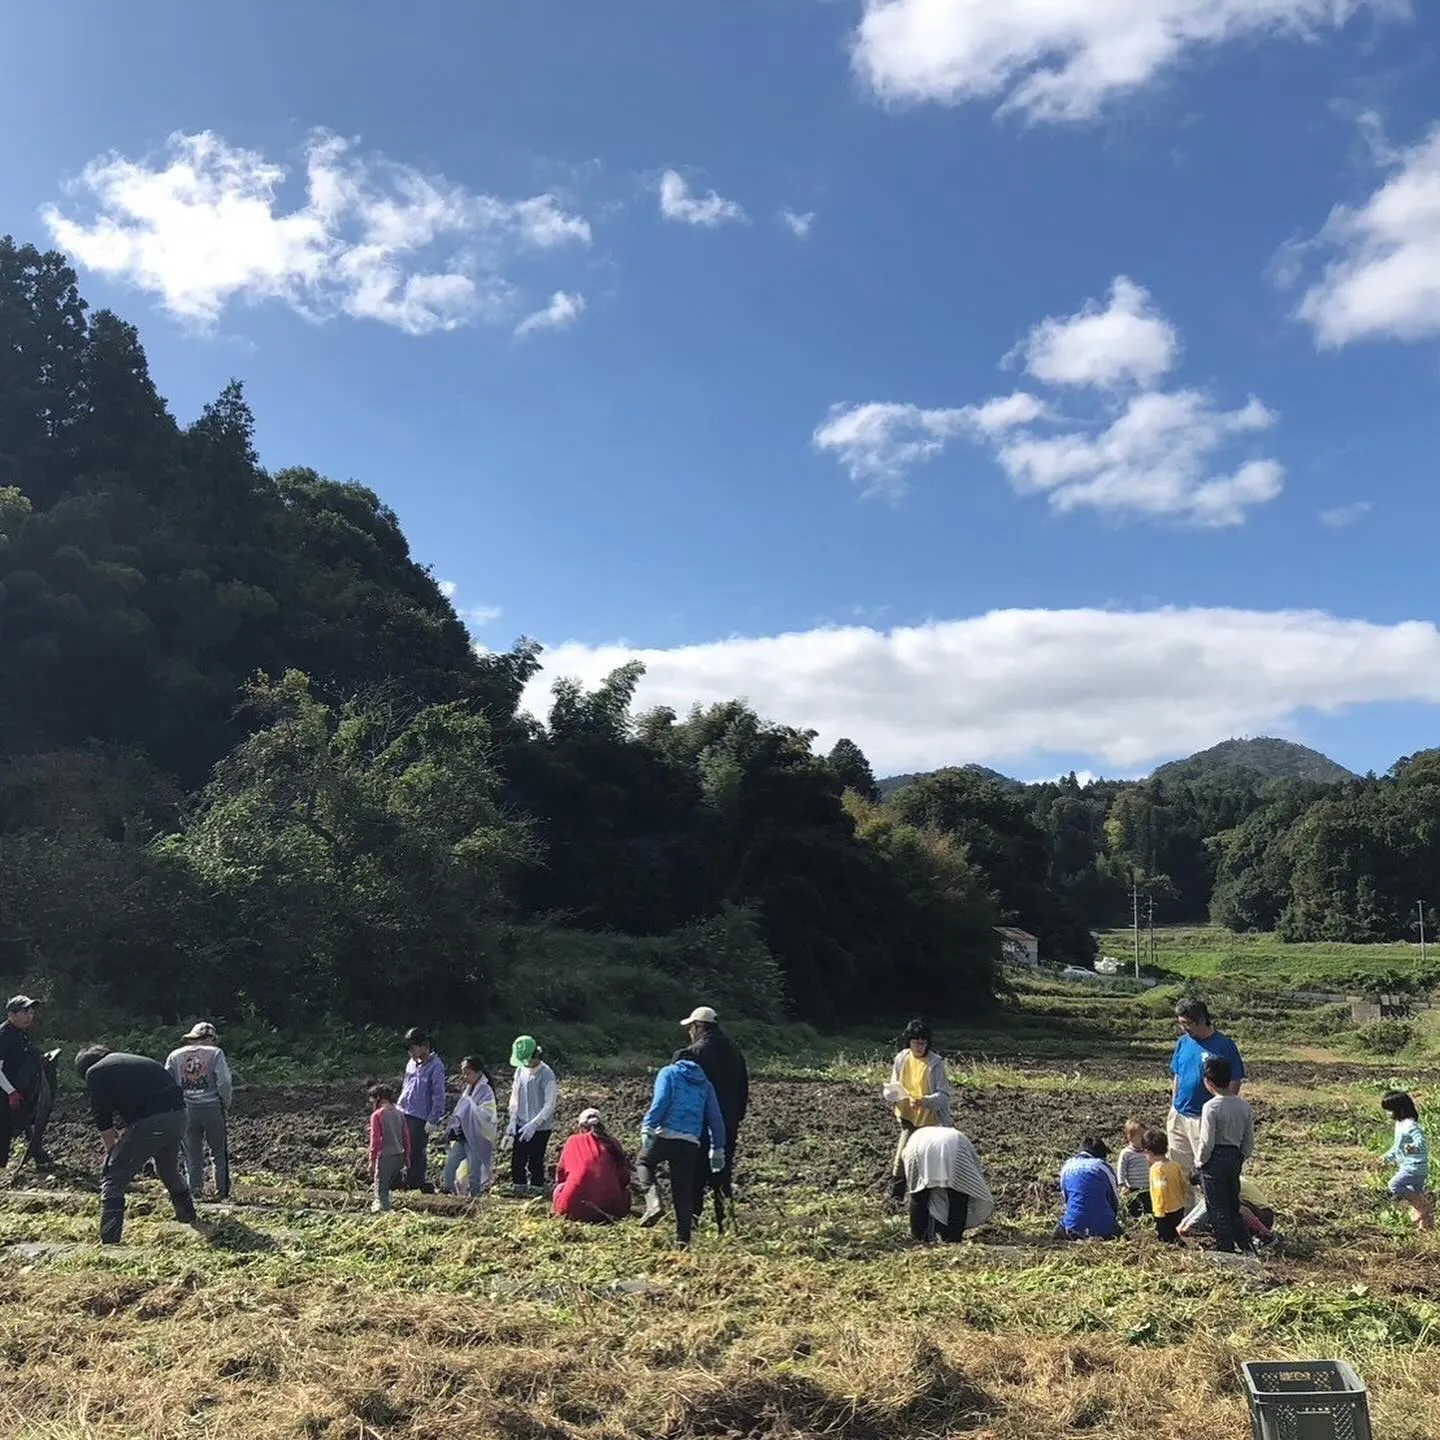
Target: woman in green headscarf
533, 1095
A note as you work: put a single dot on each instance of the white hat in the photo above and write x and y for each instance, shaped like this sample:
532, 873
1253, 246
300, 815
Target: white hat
590, 1117
701, 1015
201, 1030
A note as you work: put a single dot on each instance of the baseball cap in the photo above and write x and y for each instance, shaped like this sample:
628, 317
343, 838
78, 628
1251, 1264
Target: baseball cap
201, 1030
590, 1117
19, 1002
522, 1052
701, 1015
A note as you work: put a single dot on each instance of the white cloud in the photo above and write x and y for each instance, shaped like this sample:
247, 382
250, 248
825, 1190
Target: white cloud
479, 615
449, 589
373, 240
1126, 342
564, 309
1153, 459
880, 443
1344, 515
1149, 452
1383, 279
1118, 689
1062, 60
798, 225
677, 203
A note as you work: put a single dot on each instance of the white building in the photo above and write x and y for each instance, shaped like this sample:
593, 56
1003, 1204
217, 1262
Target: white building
1018, 947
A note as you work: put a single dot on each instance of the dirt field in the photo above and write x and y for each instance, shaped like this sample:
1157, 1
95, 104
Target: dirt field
835, 1137
308, 1317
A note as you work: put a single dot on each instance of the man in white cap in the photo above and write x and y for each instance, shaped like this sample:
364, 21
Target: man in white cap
201, 1071
724, 1066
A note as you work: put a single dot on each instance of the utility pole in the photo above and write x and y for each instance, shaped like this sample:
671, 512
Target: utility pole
1151, 955
1135, 904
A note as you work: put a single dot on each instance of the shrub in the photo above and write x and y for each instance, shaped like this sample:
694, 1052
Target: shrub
1385, 1037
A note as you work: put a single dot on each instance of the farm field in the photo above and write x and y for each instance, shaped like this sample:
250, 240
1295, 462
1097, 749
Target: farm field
307, 1317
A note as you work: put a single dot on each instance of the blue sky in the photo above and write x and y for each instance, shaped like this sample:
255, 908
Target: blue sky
541, 292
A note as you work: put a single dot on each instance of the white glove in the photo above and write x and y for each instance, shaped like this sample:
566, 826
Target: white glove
527, 1132
717, 1161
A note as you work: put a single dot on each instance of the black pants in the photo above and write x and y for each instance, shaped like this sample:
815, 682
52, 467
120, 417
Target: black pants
419, 1166
1220, 1179
678, 1156
722, 1185
527, 1160
1167, 1227
1138, 1205
38, 1084
924, 1229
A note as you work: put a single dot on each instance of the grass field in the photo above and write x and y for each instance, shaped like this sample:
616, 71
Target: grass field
308, 1317
1208, 953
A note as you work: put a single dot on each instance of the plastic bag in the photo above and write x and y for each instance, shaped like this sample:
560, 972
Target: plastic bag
893, 1092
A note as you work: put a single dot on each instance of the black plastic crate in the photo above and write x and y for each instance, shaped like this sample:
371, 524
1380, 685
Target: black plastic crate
1306, 1400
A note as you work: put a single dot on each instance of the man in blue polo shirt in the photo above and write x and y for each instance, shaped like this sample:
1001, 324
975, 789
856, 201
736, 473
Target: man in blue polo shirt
1198, 1039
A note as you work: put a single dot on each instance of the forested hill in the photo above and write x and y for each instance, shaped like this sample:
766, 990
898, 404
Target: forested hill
1265, 757
889, 784
251, 764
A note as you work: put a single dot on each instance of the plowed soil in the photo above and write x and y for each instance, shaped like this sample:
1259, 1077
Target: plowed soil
829, 1136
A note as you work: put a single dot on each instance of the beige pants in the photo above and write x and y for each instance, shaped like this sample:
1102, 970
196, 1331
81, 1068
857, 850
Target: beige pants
1183, 1133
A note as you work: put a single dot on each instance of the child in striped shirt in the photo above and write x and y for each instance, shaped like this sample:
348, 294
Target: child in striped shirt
1132, 1170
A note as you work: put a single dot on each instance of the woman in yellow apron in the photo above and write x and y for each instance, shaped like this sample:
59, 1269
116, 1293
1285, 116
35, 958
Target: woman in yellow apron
919, 1090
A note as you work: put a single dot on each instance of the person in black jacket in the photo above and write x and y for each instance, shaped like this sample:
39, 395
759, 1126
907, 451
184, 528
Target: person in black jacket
139, 1110
724, 1066
27, 1083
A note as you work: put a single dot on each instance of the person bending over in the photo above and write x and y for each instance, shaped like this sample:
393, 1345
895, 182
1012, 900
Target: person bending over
947, 1187
139, 1111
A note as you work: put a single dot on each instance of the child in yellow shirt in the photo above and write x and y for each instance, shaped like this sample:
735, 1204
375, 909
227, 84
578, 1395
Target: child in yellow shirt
1168, 1186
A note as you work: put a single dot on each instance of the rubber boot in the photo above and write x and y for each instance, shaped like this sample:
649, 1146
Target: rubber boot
654, 1208
112, 1221
719, 1213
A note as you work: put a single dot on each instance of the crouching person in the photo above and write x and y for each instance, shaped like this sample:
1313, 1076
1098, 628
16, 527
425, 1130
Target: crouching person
592, 1180
946, 1184
684, 1106
139, 1111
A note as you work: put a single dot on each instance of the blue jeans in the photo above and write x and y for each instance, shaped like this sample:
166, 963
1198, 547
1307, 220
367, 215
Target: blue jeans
457, 1156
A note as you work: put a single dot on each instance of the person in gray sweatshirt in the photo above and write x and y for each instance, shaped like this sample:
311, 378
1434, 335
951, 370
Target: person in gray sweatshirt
199, 1068
1227, 1140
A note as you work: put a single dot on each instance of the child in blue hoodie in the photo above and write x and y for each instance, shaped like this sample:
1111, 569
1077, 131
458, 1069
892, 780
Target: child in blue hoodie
683, 1107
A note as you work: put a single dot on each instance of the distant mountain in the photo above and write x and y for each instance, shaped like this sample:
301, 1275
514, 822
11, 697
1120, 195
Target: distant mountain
891, 783
1265, 756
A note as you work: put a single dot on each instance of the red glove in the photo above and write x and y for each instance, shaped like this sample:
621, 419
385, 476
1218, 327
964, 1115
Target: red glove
16, 1099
